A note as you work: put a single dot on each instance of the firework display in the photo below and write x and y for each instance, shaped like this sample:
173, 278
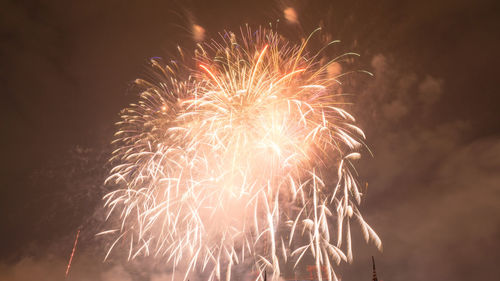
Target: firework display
241, 153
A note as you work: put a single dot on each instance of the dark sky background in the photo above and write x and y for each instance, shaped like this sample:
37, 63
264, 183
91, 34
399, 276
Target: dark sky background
430, 114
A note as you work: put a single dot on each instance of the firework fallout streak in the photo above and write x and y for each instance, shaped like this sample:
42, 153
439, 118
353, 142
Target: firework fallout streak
72, 253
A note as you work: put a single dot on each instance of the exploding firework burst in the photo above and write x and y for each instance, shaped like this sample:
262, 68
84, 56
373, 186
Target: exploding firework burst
229, 155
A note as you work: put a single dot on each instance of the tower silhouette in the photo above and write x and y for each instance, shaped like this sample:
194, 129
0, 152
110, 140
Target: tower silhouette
374, 272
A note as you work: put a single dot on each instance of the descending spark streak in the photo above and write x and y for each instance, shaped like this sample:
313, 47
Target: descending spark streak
72, 253
230, 161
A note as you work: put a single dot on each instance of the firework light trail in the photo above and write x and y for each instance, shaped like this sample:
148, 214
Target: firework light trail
228, 158
72, 254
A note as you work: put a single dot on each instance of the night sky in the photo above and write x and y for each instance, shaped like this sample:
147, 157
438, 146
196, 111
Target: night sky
430, 114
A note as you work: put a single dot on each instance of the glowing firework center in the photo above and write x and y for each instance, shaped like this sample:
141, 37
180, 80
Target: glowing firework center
224, 158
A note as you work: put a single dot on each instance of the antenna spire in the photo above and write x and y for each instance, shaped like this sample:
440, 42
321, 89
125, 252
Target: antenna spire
374, 272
